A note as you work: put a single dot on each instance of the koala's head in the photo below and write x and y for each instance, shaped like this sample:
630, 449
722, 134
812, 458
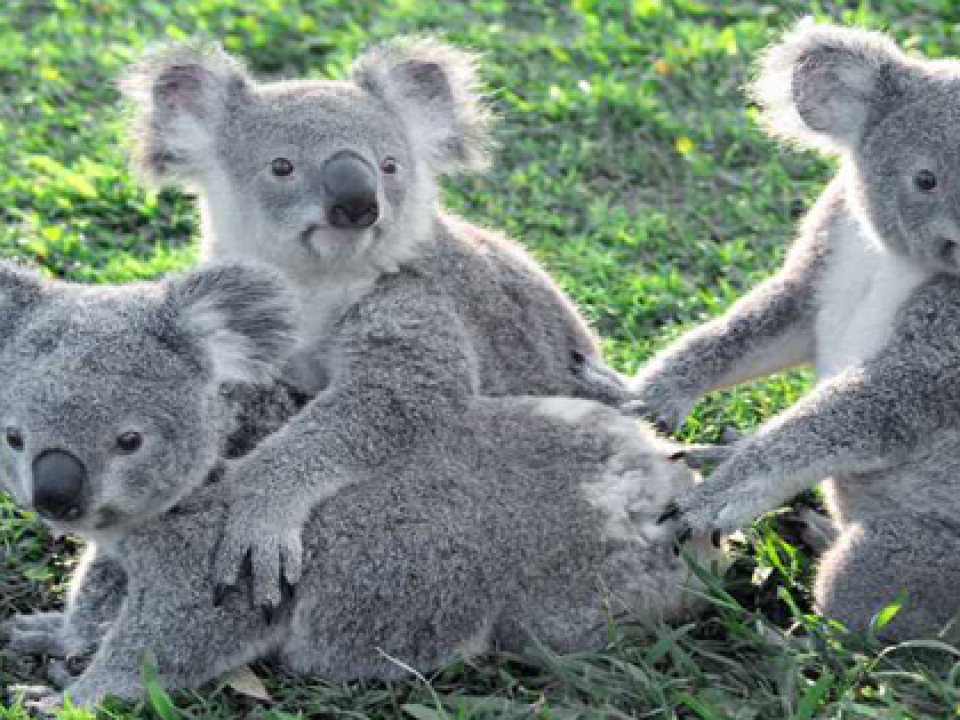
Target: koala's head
109, 407
309, 175
893, 119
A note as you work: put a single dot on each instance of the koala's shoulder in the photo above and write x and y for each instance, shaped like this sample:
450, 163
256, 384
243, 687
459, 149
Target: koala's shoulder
931, 317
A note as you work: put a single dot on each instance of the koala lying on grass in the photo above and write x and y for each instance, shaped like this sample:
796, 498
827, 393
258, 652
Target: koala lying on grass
870, 295
407, 315
518, 517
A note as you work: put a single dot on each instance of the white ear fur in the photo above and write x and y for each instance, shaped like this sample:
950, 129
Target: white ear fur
178, 94
817, 86
434, 88
240, 315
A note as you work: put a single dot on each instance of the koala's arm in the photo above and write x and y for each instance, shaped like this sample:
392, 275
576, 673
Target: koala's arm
770, 329
405, 366
96, 593
865, 419
168, 620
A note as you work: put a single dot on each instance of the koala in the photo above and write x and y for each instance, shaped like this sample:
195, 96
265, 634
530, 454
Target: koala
407, 314
522, 517
870, 295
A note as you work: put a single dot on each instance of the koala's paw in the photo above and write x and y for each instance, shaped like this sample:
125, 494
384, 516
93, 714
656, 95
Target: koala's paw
270, 549
38, 700
596, 381
711, 509
36, 634
665, 409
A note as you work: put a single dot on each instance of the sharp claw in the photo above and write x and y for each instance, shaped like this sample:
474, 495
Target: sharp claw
219, 594
287, 590
677, 456
716, 537
661, 426
270, 613
670, 512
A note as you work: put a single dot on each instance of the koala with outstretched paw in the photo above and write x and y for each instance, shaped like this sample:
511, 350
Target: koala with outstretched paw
520, 517
869, 295
407, 315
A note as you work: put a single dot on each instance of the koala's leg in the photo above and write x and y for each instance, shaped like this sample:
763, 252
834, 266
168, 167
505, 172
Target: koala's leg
860, 421
96, 593
173, 624
769, 329
888, 559
411, 600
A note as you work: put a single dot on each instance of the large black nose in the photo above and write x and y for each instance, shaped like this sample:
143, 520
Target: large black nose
59, 481
350, 184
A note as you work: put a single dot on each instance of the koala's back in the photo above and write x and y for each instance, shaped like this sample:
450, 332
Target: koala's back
500, 534
523, 328
533, 516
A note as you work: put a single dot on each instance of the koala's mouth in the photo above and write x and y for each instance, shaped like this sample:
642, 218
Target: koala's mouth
320, 238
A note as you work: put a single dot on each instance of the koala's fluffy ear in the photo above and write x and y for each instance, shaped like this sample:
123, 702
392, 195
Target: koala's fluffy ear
179, 94
433, 87
20, 293
822, 85
241, 317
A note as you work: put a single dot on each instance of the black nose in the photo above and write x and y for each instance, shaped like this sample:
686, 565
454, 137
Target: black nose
350, 184
59, 480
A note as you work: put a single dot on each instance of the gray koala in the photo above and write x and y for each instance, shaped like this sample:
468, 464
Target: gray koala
407, 315
869, 294
518, 517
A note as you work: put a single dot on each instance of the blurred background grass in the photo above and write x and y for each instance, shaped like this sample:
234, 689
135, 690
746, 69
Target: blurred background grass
629, 163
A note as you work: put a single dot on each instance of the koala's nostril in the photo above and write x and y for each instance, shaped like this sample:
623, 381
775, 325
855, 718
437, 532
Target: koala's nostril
358, 214
350, 186
59, 481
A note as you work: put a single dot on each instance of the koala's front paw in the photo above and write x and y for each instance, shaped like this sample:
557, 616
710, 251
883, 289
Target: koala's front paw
720, 505
36, 634
659, 405
38, 700
271, 548
596, 381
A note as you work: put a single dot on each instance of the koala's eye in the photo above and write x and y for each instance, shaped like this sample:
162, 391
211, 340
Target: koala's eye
925, 181
129, 442
281, 167
14, 439
389, 165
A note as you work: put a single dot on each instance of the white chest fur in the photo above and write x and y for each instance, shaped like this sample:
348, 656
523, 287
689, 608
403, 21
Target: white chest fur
321, 307
860, 295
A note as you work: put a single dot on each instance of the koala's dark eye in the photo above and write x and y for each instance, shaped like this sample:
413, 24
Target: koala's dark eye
925, 181
129, 442
389, 165
281, 167
14, 439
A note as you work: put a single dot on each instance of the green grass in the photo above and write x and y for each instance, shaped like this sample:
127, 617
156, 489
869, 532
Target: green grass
630, 164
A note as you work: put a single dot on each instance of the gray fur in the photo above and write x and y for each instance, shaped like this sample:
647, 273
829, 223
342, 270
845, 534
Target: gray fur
869, 294
515, 517
403, 325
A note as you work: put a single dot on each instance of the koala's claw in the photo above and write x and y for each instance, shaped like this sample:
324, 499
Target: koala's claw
670, 512
639, 409
716, 538
219, 594
38, 700
36, 634
272, 551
